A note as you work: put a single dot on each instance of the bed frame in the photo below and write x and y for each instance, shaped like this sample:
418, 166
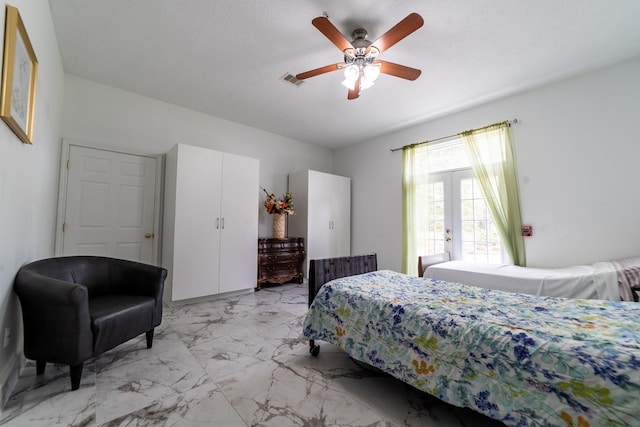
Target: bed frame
322, 271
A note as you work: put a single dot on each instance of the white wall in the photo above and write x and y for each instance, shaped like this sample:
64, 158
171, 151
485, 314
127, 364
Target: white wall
577, 152
28, 180
99, 114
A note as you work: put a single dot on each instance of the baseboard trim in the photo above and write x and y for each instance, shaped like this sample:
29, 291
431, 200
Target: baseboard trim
6, 388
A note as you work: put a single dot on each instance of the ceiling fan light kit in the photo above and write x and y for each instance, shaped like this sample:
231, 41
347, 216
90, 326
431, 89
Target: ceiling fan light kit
361, 66
367, 73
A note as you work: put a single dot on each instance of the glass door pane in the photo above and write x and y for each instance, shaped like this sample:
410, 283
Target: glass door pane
478, 238
437, 222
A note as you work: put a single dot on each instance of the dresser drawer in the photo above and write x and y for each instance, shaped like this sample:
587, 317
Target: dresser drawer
286, 244
283, 267
272, 258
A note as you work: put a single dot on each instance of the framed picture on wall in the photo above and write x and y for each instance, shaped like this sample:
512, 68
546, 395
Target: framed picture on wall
19, 76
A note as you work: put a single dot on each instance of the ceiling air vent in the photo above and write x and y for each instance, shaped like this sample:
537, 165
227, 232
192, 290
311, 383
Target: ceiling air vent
291, 79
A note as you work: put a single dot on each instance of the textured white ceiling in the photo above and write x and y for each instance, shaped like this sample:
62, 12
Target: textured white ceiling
226, 57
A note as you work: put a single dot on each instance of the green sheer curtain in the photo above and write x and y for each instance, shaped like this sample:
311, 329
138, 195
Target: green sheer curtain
411, 179
493, 164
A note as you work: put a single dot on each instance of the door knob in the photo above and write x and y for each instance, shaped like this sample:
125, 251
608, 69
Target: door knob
148, 235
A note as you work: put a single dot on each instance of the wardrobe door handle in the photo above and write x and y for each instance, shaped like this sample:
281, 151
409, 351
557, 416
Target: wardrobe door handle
217, 223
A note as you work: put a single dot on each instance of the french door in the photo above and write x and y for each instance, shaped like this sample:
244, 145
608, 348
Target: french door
458, 220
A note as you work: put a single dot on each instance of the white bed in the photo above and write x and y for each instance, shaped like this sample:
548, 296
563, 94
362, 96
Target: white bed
595, 281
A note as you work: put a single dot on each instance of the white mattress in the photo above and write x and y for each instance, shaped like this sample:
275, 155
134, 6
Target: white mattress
596, 281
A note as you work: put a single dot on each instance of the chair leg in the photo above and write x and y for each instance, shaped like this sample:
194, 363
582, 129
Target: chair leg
40, 367
76, 376
150, 338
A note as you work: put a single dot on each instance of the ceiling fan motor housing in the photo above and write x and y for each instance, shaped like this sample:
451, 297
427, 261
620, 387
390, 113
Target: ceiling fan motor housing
359, 55
359, 34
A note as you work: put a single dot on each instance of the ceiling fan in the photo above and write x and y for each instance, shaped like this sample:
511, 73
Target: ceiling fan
361, 66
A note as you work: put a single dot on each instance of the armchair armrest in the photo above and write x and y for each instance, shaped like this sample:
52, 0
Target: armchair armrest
139, 278
136, 278
56, 318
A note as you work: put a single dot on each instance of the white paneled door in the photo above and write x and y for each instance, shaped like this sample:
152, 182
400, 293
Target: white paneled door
109, 204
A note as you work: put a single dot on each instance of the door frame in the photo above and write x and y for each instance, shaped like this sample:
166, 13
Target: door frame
63, 183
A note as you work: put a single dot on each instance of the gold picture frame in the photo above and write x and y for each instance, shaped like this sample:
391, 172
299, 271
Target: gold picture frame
19, 76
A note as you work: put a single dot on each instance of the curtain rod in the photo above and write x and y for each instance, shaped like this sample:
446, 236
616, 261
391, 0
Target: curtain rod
509, 122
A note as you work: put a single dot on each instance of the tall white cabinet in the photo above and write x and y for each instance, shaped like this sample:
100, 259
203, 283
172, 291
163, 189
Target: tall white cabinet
210, 222
322, 203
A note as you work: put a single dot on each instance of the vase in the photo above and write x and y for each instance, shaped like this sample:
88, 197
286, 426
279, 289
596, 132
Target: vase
278, 226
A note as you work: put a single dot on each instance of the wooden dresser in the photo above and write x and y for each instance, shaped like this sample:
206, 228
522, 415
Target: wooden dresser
280, 260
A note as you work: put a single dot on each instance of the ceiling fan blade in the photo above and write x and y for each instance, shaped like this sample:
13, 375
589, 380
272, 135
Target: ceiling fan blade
401, 30
398, 70
331, 32
321, 70
355, 92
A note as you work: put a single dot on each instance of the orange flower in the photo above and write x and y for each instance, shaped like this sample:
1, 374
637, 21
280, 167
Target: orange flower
422, 368
275, 206
585, 326
567, 418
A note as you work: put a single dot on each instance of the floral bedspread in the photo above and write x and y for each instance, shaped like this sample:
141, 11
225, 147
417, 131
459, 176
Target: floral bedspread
520, 359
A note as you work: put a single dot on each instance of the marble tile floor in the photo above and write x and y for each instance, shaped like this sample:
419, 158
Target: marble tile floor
233, 361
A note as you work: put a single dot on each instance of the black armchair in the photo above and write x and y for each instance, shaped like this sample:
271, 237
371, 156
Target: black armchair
76, 307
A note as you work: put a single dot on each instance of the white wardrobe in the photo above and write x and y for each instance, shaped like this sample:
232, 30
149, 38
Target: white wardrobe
210, 222
322, 204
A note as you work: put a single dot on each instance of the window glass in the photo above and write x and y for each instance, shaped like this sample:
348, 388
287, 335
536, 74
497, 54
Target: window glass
446, 156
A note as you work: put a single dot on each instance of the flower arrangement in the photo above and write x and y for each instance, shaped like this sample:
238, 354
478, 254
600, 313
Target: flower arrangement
275, 206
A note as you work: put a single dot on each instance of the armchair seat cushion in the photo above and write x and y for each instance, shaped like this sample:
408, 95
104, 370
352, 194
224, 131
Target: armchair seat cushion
118, 318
